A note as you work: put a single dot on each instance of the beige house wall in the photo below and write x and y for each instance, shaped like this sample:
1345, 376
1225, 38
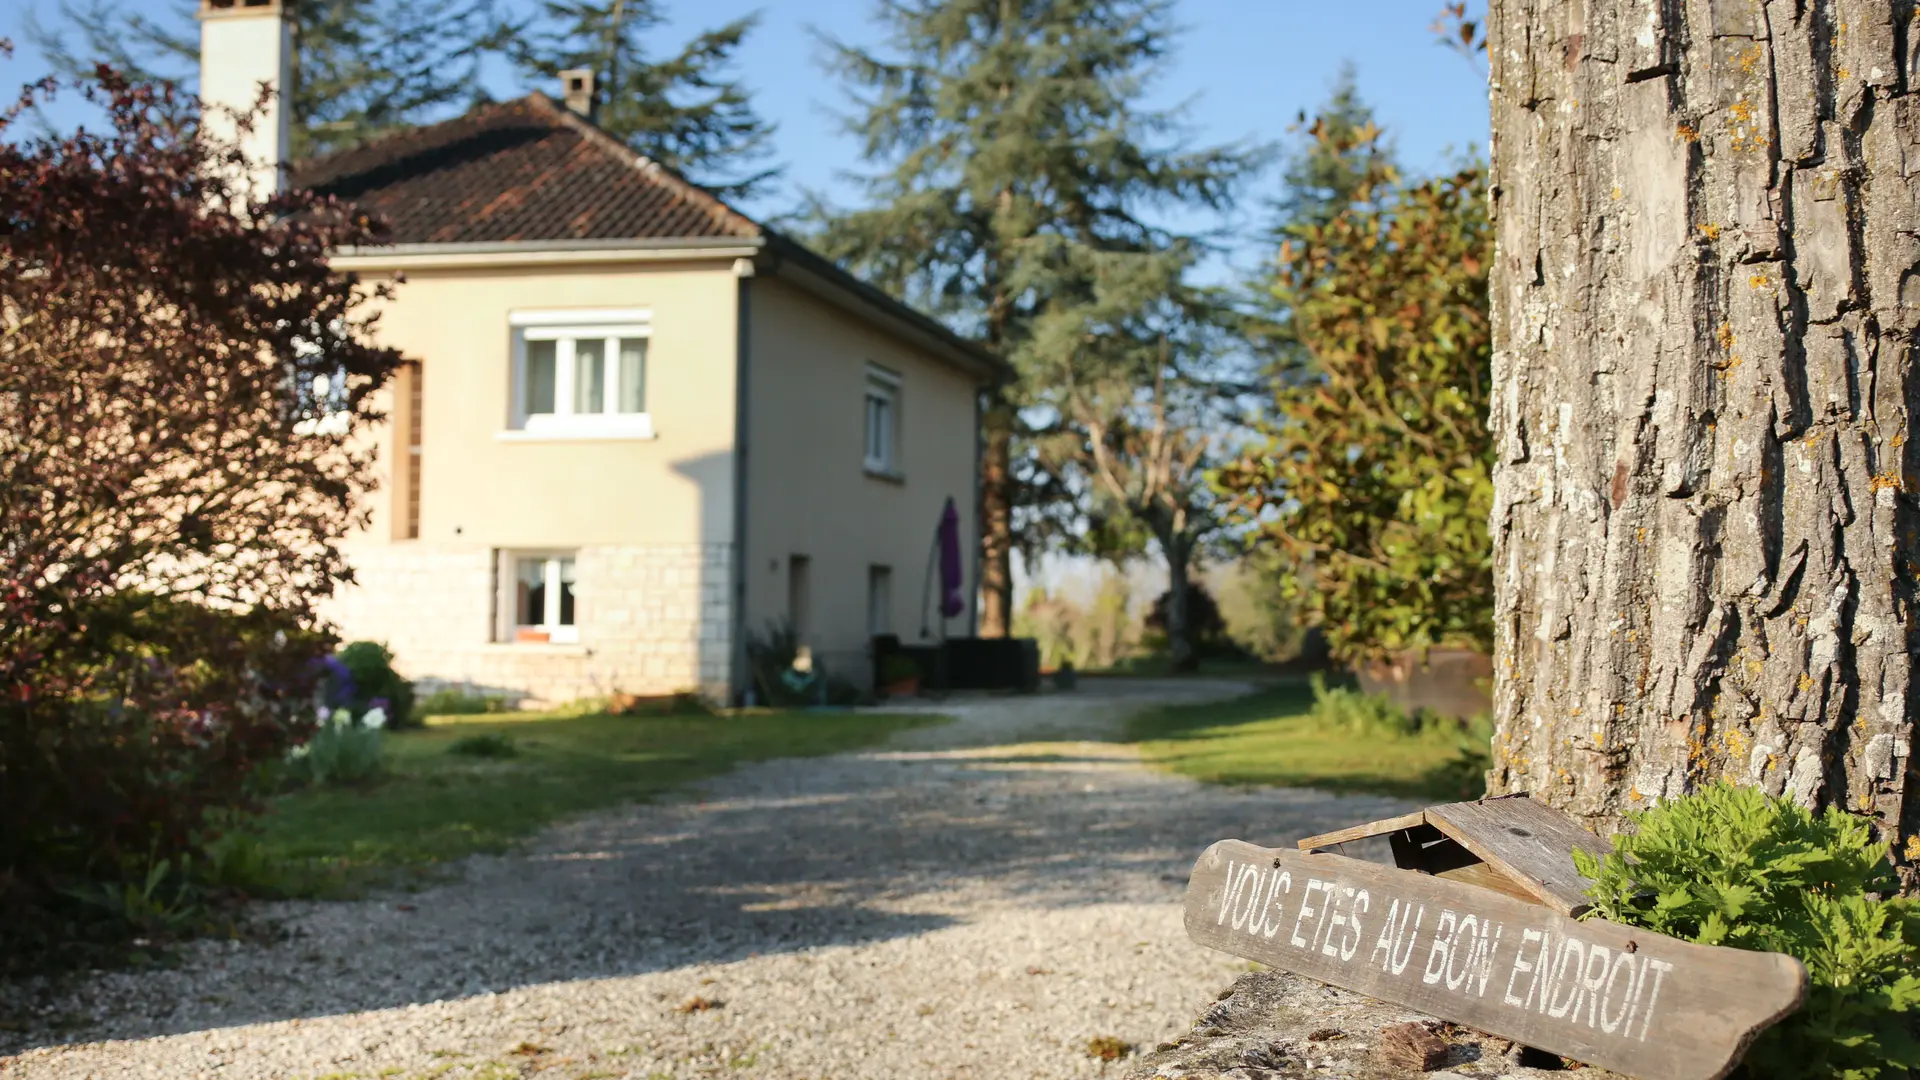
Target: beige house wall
808, 492
477, 485
651, 520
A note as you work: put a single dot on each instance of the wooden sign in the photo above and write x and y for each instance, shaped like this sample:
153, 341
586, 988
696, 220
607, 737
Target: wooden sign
1630, 1000
1509, 843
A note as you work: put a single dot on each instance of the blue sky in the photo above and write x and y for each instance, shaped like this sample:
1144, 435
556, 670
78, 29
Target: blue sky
1246, 67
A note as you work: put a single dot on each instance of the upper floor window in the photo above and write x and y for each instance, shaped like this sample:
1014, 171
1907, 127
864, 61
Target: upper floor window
883, 420
581, 373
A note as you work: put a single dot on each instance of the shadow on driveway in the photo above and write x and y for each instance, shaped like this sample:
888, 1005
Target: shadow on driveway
943, 825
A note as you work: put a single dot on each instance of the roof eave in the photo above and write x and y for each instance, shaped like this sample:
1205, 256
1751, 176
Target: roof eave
529, 253
773, 253
831, 282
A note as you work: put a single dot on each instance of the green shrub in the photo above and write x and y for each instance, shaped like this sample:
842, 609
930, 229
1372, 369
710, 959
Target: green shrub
1733, 866
897, 667
771, 655
484, 746
238, 859
160, 901
376, 684
339, 753
1376, 716
1343, 707
768, 656
689, 703
448, 701
120, 736
1465, 774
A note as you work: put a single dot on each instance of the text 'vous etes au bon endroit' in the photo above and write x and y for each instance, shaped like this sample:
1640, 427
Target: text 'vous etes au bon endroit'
1559, 975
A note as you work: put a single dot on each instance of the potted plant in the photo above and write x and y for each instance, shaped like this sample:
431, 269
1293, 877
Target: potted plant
899, 675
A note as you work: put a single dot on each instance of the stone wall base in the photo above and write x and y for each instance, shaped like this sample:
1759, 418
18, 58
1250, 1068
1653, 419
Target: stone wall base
652, 619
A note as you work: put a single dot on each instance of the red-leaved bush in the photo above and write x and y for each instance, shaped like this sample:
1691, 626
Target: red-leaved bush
184, 387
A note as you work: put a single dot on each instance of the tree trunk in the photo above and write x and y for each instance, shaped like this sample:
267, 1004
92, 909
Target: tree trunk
1705, 302
996, 519
1180, 648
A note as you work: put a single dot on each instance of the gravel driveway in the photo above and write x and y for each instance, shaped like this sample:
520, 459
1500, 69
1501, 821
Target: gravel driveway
974, 900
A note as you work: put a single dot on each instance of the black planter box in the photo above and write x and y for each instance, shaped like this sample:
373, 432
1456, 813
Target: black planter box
969, 663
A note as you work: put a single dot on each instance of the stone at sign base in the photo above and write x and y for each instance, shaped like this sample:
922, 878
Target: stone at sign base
1272, 1025
1413, 1046
1630, 1000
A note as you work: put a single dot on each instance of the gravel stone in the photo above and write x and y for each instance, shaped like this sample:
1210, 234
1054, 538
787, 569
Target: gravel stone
982, 898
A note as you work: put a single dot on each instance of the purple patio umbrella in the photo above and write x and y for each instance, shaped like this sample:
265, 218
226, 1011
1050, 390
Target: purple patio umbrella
951, 602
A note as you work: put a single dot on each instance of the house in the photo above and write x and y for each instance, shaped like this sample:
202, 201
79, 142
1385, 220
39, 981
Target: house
635, 426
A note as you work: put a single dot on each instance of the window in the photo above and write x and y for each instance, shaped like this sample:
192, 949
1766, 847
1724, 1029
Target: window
879, 600
581, 374
538, 602
320, 393
883, 419
320, 401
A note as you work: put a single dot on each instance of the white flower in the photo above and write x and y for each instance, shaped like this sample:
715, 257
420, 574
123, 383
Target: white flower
375, 718
342, 718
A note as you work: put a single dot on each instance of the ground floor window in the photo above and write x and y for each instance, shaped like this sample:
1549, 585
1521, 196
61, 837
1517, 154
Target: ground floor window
538, 598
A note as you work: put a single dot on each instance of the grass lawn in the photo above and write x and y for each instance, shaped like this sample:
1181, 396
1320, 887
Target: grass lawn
431, 805
1271, 738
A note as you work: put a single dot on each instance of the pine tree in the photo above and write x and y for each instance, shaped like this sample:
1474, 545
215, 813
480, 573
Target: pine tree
1340, 154
679, 111
1020, 173
1335, 161
361, 67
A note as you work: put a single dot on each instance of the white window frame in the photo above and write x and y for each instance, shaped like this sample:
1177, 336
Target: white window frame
326, 406
565, 328
883, 386
508, 601
325, 397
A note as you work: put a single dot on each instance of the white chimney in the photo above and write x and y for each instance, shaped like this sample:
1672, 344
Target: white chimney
244, 43
577, 90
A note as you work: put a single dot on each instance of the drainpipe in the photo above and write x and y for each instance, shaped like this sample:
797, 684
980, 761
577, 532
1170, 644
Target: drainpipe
979, 526
739, 678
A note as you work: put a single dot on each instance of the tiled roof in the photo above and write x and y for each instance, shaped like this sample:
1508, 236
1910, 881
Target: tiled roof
530, 171
521, 170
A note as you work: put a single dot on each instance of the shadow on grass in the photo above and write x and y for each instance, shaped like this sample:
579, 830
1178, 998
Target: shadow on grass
1272, 738
434, 802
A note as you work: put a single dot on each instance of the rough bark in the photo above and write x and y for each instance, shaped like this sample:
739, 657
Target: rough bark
996, 520
1705, 307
